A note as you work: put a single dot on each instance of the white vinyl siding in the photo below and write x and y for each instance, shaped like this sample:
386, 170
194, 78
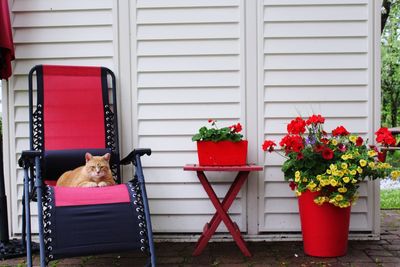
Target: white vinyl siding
188, 69
52, 32
315, 58
181, 62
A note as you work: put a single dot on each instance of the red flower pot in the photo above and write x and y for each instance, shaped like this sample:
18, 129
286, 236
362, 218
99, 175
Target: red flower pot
325, 228
222, 153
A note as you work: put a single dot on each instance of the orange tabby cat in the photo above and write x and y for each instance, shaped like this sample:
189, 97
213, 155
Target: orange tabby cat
96, 172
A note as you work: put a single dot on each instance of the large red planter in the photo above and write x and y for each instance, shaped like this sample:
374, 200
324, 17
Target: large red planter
222, 153
325, 228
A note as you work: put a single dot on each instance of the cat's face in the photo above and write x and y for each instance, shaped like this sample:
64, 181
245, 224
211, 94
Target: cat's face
97, 166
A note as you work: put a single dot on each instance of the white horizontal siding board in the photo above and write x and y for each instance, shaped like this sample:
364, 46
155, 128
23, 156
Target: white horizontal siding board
66, 50
316, 77
62, 18
188, 15
187, 32
188, 47
315, 93
316, 13
312, 2
313, 46
185, 3
185, 127
195, 111
315, 61
188, 63
329, 109
71, 34
188, 95
313, 29
49, 5
185, 79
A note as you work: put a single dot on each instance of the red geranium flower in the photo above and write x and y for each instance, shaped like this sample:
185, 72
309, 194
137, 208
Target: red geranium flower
292, 143
385, 137
292, 185
359, 141
318, 148
381, 156
340, 131
327, 153
268, 145
236, 128
296, 126
342, 148
315, 119
300, 156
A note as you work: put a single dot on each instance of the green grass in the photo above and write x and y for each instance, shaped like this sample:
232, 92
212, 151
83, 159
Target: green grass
390, 199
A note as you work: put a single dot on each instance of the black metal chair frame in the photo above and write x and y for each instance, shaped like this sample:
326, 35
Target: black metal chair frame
32, 160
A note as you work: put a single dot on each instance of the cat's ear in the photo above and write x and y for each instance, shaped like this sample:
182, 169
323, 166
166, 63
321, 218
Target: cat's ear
107, 156
88, 156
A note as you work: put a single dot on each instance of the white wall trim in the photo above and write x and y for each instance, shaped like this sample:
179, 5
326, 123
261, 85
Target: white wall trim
124, 81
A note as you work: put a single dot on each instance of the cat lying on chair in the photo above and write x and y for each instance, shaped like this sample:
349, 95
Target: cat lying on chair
95, 173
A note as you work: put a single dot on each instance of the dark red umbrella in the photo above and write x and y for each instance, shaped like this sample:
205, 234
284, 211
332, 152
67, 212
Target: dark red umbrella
6, 41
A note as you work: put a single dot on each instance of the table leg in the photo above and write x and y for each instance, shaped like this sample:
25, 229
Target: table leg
221, 214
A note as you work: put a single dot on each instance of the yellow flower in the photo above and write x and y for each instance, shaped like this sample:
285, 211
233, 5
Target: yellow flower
359, 169
297, 179
333, 167
372, 153
319, 177
297, 174
333, 182
387, 165
305, 179
363, 162
311, 186
353, 138
371, 164
395, 174
342, 190
344, 165
354, 181
338, 197
344, 157
328, 171
353, 172
298, 193
334, 142
346, 179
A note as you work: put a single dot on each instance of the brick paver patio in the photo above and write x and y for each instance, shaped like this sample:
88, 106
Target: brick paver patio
385, 252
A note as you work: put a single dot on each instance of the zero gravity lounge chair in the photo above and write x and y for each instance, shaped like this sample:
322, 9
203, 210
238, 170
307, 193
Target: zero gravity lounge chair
76, 112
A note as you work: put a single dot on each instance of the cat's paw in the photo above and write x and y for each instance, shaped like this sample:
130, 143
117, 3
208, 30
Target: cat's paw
101, 184
89, 184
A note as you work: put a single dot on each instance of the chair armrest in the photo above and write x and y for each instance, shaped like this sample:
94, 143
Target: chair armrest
132, 156
27, 157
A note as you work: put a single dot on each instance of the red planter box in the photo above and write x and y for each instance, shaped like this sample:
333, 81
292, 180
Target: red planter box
325, 228
223, 153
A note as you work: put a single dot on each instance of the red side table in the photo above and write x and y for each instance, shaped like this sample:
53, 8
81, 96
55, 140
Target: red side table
222, 207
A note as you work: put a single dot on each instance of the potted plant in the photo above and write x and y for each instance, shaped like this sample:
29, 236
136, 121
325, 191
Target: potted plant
221, 146
325, 171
